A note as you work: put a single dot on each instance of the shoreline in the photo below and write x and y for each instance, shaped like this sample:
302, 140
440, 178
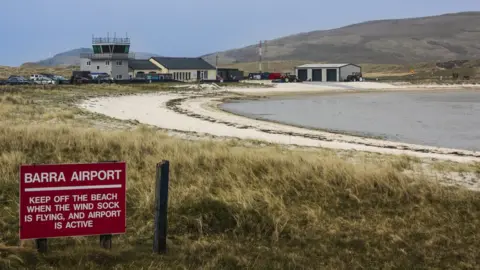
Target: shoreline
293, 95
198, 112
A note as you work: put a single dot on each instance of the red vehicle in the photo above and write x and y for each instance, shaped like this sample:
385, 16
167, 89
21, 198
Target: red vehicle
274, 76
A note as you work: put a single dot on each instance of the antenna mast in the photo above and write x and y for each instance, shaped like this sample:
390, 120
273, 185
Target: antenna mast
260, 56
265, 45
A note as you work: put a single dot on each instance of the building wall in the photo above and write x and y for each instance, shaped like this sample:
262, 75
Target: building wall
211, 74
190, 75
324, 74
119, 72
310, 73
96, 66
342, 72
133, 73
348, 70
106, 66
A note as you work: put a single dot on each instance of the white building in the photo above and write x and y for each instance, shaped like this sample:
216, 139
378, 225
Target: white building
326, 72
110, 56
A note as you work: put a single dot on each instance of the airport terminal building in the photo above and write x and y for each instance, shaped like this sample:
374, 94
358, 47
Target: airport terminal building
112, 56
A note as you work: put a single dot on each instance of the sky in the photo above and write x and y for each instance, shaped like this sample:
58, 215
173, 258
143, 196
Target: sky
33, 30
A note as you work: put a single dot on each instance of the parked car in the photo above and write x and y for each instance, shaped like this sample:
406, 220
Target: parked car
35, 77
44, 80
103, 78
60, 79
17, 80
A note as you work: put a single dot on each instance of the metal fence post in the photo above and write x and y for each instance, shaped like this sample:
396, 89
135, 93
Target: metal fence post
161, 203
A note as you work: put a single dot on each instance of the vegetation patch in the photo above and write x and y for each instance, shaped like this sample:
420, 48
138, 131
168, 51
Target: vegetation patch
232, 206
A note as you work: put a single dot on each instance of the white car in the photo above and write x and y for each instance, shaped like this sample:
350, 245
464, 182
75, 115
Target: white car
44, 80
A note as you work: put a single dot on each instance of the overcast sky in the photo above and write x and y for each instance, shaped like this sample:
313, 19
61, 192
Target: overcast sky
32, 30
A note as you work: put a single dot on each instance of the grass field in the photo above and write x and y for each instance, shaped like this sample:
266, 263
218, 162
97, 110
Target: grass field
230, 205
28, 70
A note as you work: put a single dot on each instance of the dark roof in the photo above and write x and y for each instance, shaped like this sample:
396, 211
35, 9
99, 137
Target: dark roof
138, 64
183, 63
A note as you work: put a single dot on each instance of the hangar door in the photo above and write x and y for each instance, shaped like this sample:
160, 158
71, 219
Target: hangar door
316, 75
331, 75
302, 74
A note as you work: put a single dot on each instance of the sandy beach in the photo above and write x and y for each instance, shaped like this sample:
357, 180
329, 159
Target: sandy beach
196, 111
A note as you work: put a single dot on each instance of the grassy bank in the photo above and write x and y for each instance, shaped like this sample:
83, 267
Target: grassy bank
232, 206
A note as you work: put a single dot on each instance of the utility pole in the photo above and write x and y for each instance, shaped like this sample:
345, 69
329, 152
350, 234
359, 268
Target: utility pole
260, 56
216, 66
265, 45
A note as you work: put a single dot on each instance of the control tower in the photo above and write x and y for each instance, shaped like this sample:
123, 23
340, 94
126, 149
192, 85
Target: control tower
110, 55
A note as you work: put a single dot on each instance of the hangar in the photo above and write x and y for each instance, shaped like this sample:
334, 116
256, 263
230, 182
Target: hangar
326, 72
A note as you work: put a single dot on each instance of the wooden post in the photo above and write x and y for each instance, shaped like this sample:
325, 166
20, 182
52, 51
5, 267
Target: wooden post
42, 245
106, 241
161, 200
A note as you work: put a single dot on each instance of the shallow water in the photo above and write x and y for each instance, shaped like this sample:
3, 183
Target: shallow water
446, 119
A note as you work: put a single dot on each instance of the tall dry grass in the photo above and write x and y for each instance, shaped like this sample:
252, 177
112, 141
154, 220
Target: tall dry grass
237, 207
29, 70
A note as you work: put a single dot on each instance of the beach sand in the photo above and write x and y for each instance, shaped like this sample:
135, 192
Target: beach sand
196, 111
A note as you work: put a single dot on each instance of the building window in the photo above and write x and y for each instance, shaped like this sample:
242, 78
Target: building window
98, 67
107, 63
88, 63
188, 76
204, 74
119, 77
119, 63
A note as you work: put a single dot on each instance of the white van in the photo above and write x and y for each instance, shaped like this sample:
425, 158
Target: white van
35, 77
40, 79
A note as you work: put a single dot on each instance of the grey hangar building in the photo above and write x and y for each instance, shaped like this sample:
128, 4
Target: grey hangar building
326, 72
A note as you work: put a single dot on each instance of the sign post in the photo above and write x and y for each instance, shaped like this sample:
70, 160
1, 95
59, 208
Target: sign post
161, 203
62, 200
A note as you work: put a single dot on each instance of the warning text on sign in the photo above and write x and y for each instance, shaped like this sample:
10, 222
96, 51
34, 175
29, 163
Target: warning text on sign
72, 200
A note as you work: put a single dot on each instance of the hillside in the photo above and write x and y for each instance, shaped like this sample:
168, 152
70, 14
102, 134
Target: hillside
425, 69
72, 57
401, 41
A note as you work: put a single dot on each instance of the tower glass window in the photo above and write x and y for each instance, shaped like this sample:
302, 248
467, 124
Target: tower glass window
97, 49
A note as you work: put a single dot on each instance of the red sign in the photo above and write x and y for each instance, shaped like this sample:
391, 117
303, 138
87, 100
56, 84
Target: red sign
72, 200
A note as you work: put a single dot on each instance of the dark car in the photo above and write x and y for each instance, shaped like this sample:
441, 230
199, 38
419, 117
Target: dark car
17, 80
